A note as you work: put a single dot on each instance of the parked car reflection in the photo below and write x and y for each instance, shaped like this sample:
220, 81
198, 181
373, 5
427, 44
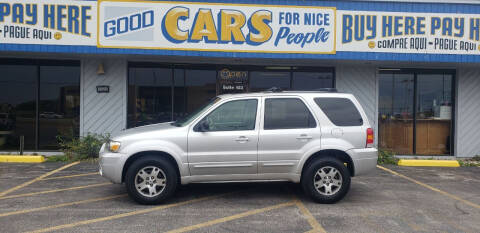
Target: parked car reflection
51, 115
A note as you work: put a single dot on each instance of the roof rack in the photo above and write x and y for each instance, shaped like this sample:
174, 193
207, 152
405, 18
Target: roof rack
274, 89
327, 89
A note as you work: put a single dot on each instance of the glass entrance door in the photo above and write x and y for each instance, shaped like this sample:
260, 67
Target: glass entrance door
433, 114
415, 111
396, 112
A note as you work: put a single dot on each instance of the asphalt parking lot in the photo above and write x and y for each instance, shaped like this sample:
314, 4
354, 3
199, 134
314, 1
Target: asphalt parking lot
41, 198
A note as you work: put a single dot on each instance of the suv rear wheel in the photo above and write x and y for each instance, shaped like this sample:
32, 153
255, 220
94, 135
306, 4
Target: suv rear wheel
326, 180
151, 180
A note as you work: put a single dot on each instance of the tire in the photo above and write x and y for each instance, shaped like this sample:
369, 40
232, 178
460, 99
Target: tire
145, 190
331, 189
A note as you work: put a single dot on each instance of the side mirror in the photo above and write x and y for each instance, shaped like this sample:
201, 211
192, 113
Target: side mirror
203, 126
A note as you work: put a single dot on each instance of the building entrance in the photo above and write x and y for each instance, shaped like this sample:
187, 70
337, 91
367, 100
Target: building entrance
416, 110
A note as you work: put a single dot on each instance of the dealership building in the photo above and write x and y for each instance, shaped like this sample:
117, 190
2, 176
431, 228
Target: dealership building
79, 67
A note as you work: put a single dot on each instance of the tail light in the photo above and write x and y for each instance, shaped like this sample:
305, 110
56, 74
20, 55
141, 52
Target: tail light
369, 137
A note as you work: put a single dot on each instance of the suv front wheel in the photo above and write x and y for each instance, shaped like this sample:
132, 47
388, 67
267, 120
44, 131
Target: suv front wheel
326, 180
151, 180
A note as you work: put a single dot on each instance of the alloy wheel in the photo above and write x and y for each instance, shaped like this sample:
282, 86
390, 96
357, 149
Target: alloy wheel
327, 180
150, 181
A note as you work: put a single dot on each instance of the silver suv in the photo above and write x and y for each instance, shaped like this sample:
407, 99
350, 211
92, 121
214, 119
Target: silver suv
317, 138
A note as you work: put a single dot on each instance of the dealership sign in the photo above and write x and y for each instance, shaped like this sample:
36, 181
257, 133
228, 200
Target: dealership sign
399, 32
227, 27
48, 22
216, 27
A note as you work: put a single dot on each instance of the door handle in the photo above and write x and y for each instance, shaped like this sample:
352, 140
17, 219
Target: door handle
304, 137
242, 139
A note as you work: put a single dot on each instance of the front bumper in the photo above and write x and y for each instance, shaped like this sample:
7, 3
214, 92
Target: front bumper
364, 160
111, 165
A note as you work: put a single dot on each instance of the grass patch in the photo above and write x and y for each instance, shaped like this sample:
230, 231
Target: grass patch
64, 158
386, 157
58, 158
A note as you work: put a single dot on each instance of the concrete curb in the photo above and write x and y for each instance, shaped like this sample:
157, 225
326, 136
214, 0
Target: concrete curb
428, 163
22, 159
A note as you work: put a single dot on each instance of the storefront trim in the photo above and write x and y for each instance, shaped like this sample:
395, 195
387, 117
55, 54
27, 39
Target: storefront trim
372, 56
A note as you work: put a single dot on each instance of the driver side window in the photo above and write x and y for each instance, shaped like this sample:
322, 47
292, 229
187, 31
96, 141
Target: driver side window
235, 115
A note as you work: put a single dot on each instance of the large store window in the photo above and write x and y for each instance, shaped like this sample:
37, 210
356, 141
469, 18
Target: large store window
17, 105
415, 111
150, 92
200, 87
162, 93
167, 92
39, 100
263, 80
292, 78
312, 80
59, 104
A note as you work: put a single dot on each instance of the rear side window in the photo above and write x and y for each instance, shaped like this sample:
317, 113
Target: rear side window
340, 111
287, 113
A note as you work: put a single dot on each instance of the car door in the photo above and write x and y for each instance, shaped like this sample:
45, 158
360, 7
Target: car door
225, 141
288, 131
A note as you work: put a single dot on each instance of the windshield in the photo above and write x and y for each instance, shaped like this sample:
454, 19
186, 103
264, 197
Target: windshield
191, 116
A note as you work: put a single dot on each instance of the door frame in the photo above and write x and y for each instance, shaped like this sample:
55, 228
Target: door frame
416, 72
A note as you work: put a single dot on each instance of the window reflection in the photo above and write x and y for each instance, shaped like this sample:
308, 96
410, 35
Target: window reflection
434, 114
17, 106
57, 86
59, 106
396, 112
201, 86
312, 80
263, 80
233, 116
160, 93
150, 95
425, 130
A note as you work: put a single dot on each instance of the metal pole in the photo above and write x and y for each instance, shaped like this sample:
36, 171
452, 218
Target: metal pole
22, 143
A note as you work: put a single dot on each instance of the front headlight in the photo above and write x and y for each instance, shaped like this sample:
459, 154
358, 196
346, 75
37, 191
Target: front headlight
113, 146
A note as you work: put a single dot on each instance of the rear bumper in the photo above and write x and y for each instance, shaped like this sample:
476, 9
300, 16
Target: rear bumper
364, 160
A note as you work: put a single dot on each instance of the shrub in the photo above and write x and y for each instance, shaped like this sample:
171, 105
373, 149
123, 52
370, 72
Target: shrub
386, 157
80, 148
471, 162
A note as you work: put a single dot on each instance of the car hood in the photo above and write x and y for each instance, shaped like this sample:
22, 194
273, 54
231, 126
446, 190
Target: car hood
142, 130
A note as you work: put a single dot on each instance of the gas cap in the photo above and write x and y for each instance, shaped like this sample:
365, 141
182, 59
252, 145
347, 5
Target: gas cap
337, 132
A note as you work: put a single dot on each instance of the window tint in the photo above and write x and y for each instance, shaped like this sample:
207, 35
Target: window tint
149, 96
340, 111
287, 113
311, 80
263, 80
59, 104
38, 94
233, 115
